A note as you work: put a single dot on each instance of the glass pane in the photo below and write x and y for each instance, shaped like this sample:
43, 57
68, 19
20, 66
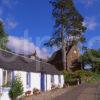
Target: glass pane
9, 77
4, 77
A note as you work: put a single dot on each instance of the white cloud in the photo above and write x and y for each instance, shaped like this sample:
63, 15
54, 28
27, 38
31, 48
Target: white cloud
90, 23
10, 23
24, 46
42, 52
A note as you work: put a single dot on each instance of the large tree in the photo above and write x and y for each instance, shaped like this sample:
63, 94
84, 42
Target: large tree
3, 36
68, 26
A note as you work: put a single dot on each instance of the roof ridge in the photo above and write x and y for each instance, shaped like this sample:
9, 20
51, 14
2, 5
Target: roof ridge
22, 56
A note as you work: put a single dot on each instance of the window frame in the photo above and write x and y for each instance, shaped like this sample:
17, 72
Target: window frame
7, 78
28, 79
59, 78
52, 79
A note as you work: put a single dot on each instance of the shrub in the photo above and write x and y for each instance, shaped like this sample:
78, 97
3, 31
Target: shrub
95, 78
5, 85
16, 89
55, 87
36, 91
70, 79
86, 76
1, 94
28, 93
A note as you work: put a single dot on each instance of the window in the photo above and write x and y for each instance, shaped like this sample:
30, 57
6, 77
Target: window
52, 78
59, 78
28, 79
75, 51
4, 77
7, 77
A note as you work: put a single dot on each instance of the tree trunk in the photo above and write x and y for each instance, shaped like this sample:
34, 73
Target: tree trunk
63, 49
63, 44
67, 50
13, 98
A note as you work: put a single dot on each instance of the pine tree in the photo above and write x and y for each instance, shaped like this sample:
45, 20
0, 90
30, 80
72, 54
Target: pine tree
16, 88
68, 26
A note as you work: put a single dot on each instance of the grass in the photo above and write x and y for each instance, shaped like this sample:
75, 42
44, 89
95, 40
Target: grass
95, 78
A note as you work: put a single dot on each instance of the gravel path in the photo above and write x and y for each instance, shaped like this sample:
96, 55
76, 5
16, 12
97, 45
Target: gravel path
48, 95
83, 92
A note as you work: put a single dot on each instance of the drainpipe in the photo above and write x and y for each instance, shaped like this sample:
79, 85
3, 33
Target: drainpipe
46, 82
44, 73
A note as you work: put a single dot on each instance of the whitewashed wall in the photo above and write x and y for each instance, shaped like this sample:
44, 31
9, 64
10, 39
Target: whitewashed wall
1, 77
62, 80
56, 80
5, 91
35, 80
5, 96
48, 82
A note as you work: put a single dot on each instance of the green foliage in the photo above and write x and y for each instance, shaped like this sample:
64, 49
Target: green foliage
91, 57
88, 76
3, 37
16, 89
85, 75
5, 85
95, 78
69, 77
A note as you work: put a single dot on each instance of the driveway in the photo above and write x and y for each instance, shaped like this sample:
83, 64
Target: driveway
83, 92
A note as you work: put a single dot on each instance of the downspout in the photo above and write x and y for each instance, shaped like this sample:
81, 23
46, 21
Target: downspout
46, 82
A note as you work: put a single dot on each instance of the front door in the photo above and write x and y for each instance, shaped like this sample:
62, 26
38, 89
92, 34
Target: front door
42, 82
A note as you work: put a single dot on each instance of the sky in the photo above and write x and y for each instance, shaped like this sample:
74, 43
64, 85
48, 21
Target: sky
29, 24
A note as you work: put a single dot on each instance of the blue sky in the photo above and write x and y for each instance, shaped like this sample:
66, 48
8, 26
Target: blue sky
31, 21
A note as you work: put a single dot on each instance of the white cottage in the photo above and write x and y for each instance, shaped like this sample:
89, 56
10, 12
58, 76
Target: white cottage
33, 73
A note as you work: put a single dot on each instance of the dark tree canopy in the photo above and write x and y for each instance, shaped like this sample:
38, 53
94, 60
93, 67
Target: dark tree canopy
3, 36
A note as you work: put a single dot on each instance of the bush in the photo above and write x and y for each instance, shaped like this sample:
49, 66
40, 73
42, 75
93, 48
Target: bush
88, 76
5, 85
81, 76
36, 91
70, 79
95, 78
28, 93
16, 89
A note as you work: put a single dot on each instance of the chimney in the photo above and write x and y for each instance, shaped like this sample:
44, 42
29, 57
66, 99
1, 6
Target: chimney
34, 55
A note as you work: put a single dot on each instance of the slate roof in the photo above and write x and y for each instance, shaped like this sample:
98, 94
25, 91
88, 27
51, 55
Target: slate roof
11, 61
